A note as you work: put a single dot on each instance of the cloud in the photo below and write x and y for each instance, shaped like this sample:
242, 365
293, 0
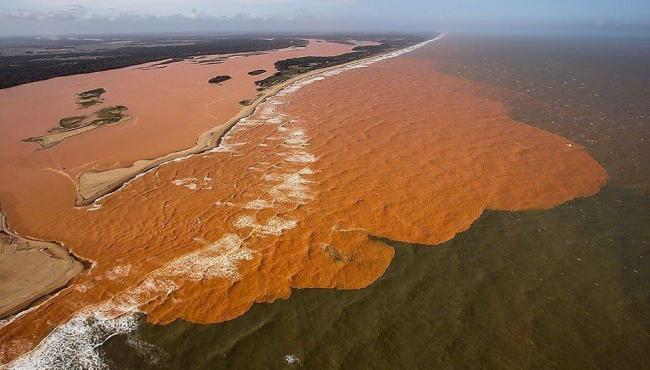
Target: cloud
79, 19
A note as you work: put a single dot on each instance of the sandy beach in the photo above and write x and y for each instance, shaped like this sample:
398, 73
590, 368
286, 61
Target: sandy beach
30, 270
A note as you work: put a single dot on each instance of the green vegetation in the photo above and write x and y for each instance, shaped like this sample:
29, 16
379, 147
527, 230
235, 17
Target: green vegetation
89, 98
109, 115
257, 72
276, 78
29, 67
219, 79
288, 68
94, 93
69, 123
104, 116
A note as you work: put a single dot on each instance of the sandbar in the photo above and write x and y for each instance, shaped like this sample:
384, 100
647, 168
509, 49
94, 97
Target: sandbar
31, 270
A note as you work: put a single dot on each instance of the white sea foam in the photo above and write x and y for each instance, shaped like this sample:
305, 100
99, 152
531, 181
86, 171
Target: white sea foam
291, 359
117, 272
258, 204
301, 157
243, 222
94, 207
292, 187
74, 344
194, 183
350, 66
217, 260
274, 226
221, 203
274, 121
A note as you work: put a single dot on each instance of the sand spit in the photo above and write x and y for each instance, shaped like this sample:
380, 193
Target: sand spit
170, 107
56, 136
419, 161
30, 270
94, 185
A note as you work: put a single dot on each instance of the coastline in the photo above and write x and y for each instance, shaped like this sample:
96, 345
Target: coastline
34, 270
344, 264
92, 186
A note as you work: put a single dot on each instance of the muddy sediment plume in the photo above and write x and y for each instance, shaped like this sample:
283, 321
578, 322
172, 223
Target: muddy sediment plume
539, 284
291, 198
564, 287
591, 90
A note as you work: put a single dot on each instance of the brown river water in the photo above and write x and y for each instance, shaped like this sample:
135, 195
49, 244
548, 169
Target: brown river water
312, 191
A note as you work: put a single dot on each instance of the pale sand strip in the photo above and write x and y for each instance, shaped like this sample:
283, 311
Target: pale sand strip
30, 270
49, 140
94, 185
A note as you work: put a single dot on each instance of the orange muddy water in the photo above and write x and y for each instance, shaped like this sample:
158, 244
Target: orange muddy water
170, 107
290, 198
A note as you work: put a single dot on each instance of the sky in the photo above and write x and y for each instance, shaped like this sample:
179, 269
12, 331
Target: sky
55, 17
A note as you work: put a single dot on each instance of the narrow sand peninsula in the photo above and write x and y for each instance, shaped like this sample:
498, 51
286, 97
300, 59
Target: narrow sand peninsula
96, 120
170, 108
94, 185
31, 270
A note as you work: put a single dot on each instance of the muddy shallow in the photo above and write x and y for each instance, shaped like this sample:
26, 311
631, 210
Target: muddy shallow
170, 107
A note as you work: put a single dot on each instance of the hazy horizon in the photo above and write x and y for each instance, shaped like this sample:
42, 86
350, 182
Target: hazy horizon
61, 17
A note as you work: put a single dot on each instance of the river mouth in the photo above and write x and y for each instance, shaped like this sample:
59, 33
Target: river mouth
564, 286
315, 182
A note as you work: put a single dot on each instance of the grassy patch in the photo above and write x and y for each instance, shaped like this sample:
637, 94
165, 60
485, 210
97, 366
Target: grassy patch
89, 98
71, 122
219, 79
288, 68
109, 115
104, 116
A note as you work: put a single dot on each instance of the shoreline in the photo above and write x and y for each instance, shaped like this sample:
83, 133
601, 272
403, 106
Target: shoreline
38, 270
92, 186
41, 288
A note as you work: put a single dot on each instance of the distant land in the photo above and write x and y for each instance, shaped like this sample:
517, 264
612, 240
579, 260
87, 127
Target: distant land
29, 59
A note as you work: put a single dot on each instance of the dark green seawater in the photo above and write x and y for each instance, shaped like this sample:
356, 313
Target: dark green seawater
565, 288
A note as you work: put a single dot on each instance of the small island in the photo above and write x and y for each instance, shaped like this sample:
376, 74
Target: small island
257, 72
89, 98
219, 79
75, 125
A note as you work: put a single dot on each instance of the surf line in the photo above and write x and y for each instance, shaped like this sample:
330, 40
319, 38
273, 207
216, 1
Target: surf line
212, 138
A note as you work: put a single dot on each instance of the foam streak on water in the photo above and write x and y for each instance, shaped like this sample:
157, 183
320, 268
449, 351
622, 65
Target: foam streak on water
75, 343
